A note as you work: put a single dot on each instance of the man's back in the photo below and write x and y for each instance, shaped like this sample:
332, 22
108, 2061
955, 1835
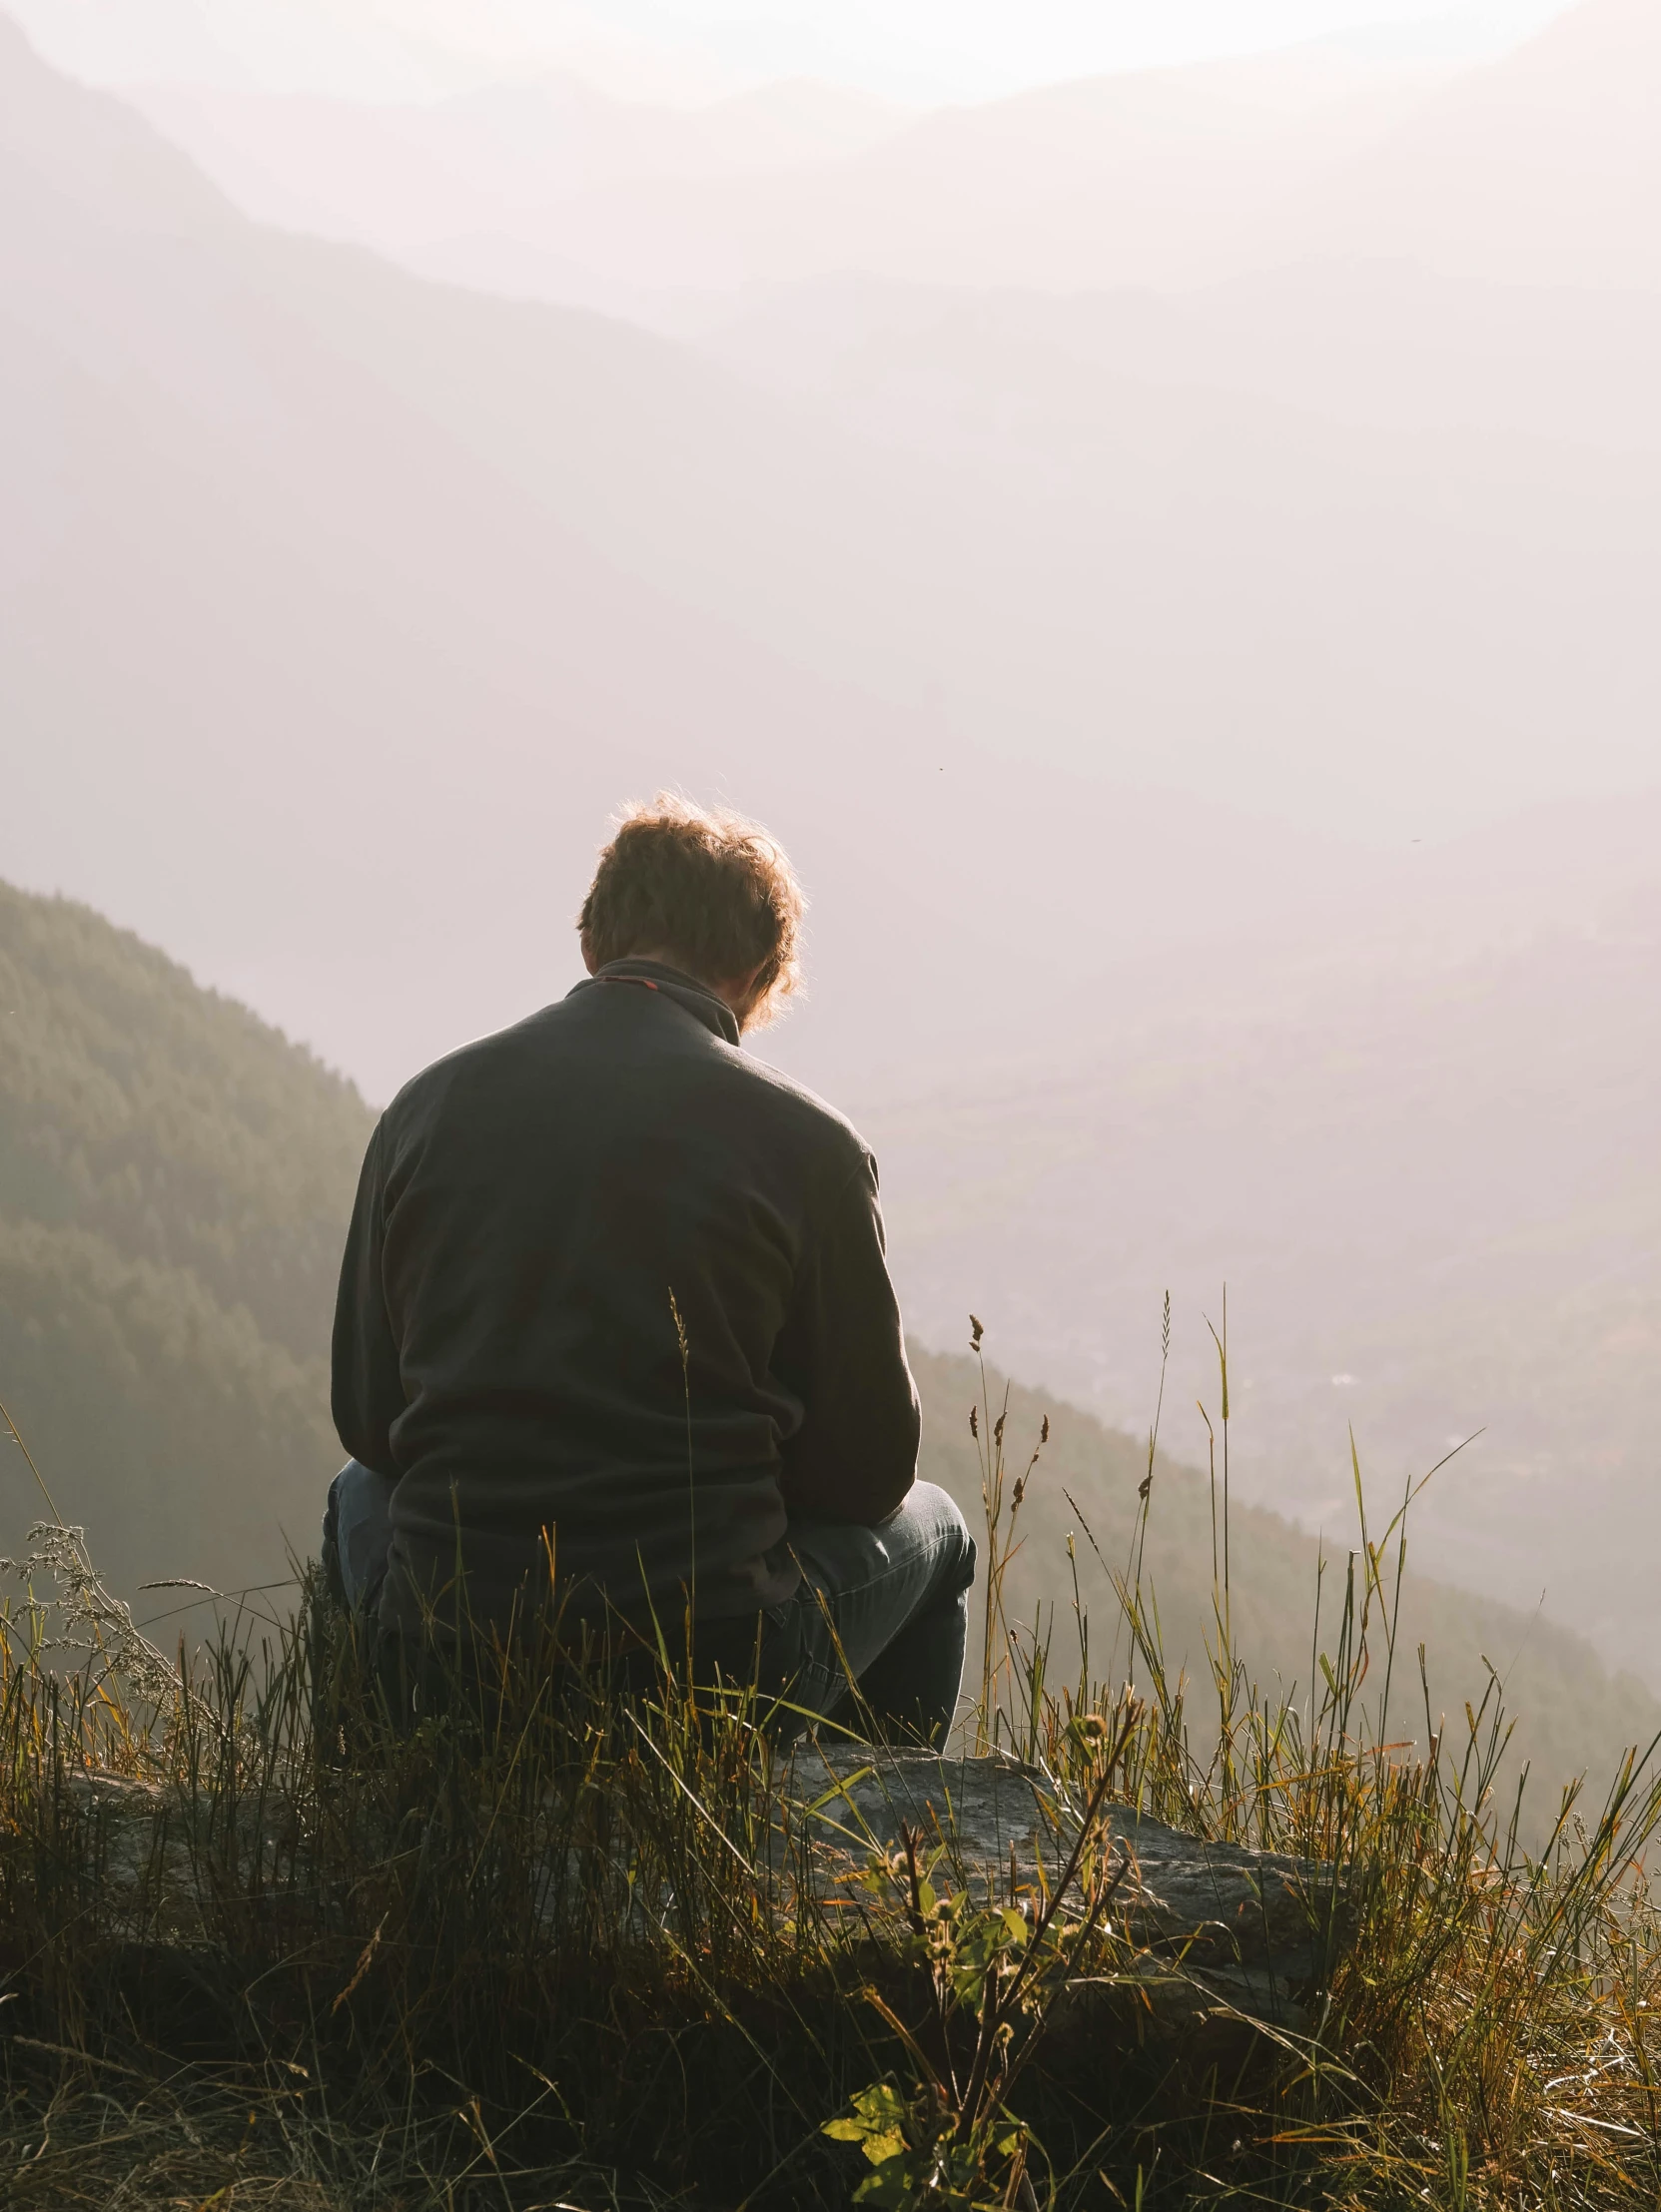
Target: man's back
533, 1214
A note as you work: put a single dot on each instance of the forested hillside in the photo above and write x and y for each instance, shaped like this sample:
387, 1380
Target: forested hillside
173, 1175
173, 1182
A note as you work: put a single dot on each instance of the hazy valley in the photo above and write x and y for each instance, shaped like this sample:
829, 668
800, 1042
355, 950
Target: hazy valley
1171, 692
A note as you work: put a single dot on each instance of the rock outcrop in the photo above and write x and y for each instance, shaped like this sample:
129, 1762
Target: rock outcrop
1210, 1929
1210, 1932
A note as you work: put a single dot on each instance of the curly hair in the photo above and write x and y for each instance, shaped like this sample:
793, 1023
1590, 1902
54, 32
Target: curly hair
706, 889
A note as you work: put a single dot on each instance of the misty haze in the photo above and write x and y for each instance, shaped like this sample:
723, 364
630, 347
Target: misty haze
1158, 512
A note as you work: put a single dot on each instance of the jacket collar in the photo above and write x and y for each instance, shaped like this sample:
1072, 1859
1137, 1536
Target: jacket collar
697, 998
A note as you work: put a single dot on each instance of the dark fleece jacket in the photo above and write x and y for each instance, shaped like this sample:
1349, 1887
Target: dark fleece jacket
532, 1212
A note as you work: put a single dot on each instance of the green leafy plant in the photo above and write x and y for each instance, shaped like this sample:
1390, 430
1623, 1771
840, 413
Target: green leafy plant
918, 2160
995, 1968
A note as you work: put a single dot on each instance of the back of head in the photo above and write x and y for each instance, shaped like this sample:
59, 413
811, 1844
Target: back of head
707, 891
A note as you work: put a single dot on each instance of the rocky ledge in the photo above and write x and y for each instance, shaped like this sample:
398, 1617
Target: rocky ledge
1212, 1931
1213, 1934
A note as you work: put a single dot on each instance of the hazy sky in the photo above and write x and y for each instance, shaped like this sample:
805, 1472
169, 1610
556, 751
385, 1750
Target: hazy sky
909, 50
958, 48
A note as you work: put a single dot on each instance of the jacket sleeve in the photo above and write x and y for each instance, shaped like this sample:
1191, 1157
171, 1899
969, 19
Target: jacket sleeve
843, 1352
367, 1393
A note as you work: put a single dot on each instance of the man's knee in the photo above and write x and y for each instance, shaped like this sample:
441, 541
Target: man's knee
949, 1536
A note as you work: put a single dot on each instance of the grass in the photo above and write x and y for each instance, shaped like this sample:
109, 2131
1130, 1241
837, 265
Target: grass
550, 1946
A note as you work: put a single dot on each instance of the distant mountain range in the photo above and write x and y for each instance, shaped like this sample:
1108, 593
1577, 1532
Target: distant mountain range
1536, 167
396, 590
1434, 1197
174, 1181
1099, 658
550, 191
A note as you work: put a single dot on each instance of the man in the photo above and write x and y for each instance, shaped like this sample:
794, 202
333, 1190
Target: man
615, 1330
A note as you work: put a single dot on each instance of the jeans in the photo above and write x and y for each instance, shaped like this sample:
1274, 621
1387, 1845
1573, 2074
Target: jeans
883, 1608
888, 1606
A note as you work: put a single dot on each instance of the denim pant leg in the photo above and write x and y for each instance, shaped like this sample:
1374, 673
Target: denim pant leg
358, 1535
890, 1605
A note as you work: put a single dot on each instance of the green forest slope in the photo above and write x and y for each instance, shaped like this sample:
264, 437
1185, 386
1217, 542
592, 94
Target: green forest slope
175, 1177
